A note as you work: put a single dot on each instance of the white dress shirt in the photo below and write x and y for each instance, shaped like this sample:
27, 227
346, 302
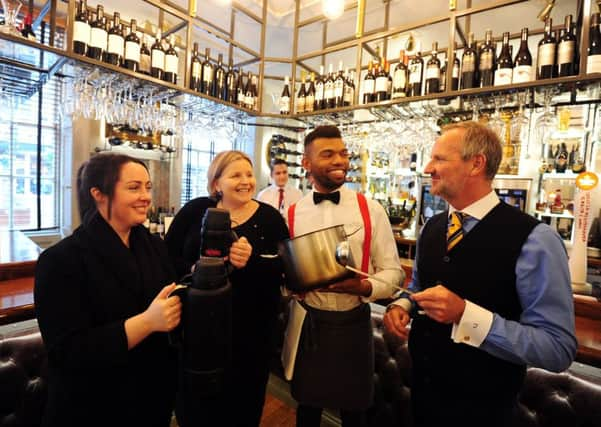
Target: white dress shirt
384, 259
271, 196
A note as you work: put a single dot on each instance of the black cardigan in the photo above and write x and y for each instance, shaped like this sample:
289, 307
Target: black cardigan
86, 286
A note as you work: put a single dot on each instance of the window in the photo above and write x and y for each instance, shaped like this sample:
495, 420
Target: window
24, 206
198, 152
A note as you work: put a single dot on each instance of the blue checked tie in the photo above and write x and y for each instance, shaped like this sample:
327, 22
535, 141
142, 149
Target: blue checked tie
455, 229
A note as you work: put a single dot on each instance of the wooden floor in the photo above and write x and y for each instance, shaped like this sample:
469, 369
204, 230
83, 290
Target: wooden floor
277, 414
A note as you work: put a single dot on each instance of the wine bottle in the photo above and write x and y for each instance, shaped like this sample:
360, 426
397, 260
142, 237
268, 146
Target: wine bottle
144, 55
219, 79
504, 69
171, 62
116, 42
132, 48
330, 100
416, 66
593, 61
566, 50
389, 78
561, 161
455, 72
349, 89
339, 87
433, 71
399, 80
486, 63
249, 95
195, 69
81, 29
469, 64
381, 82
208, 74
301, 96
285, 97
319, 90
310, 95
241, 90
157, 57
231, 77
98, 36
547, 48
522, 71
369, 84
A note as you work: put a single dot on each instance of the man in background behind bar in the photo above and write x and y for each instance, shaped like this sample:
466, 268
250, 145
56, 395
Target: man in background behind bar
492, 294
279, 194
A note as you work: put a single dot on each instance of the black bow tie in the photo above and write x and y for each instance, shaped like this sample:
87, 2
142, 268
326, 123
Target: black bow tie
332, 197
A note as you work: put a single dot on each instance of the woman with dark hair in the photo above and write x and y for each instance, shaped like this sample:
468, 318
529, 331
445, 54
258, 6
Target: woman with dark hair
103, 306
255, 282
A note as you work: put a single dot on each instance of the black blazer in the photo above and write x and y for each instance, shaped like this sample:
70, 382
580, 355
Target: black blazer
86, 286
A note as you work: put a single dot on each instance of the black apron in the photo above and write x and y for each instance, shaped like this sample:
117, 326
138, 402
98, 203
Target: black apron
335, 359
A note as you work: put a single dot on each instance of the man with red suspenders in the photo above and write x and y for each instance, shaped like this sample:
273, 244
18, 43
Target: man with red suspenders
334, 357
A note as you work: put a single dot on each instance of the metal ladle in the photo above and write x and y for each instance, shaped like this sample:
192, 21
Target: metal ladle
343, 251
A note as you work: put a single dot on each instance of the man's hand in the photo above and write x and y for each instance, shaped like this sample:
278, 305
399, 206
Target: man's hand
354, 286
396, 320
440, 304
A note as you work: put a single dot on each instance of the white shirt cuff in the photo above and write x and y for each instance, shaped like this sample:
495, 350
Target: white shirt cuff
474, 325
404, 303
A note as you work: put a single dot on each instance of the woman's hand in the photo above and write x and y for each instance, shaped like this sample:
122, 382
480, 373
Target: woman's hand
240, 252
164, 312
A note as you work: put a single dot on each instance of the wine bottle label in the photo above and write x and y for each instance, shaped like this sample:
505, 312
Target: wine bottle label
348, 95
565, 55
145, 63
319, 91
469, 64
98, 38
309, 100
503, 76
158, 59
593, 64
546, 54
115, 44
432, 72
455, 71
285, 104
486, 60
171, 64
381, 83
132, 51
300, 105
338, 89
369, 86
400, 79
207, 74
81, 32
329, 90
196, 70
522, 74
415, 73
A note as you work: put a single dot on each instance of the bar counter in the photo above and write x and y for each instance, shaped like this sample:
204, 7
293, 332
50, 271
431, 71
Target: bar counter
18, 257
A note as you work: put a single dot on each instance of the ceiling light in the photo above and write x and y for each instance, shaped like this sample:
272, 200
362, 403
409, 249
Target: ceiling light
546, 12
332, 9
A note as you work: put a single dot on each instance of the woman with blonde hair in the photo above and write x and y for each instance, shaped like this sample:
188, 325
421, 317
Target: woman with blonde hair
255, 282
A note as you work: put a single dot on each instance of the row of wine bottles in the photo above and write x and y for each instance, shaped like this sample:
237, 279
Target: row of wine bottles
96, 38
333, 90
213, 80
479, 67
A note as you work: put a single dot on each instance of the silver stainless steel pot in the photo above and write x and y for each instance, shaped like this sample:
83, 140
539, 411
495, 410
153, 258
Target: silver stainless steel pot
310, 259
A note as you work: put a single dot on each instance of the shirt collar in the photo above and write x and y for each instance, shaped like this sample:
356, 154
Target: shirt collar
480, 208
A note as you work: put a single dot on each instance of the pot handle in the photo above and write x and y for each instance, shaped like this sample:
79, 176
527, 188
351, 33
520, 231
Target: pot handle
347, 235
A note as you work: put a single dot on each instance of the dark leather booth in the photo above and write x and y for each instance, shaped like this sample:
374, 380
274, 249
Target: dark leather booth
572, 398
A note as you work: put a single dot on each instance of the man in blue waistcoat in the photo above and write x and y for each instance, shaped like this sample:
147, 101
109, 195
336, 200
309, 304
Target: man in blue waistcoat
493, 292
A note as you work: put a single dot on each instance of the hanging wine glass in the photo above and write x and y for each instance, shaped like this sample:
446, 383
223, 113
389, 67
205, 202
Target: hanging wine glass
520, 124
